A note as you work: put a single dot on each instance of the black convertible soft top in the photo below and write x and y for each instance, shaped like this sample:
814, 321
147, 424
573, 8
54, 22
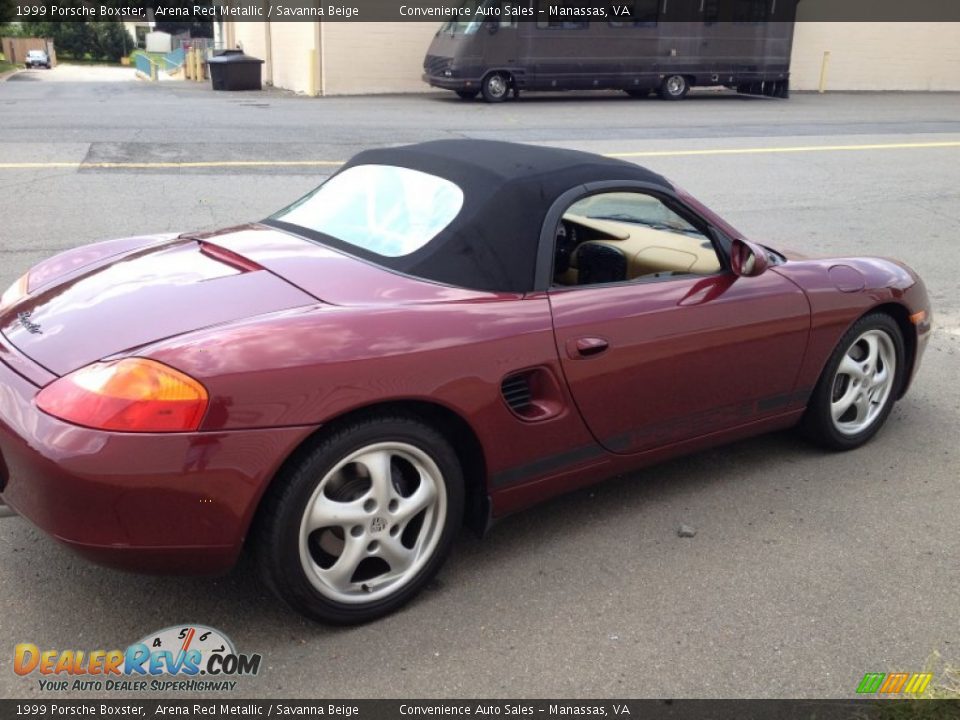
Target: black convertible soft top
508, 188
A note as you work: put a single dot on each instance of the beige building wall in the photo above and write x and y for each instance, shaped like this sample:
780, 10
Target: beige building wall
877, 56
361, 58
375, 57
293, 53
252, 37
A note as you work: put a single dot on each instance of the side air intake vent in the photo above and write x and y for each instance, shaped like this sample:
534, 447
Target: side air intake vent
516, 391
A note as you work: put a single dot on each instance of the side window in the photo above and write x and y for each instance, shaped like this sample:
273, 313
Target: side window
556, 14
711, 12
751, 12
633, 13
628, 236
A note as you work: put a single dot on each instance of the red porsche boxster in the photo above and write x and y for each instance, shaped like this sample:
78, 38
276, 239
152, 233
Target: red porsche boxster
439, 334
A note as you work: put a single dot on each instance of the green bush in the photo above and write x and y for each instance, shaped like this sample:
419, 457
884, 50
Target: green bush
102, 40
110, 41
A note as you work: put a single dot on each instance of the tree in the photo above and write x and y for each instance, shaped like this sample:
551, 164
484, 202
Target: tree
7, 16
102, 40
196, 29
110, 40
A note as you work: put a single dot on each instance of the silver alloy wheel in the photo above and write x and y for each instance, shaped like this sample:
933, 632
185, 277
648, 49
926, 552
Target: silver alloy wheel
863, 382
373, 522
676, 84
497, 86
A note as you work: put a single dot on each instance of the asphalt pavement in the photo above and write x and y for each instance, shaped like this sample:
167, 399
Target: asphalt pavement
807, 570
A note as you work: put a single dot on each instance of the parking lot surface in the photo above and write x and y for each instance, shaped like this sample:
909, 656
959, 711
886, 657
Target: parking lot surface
807, 569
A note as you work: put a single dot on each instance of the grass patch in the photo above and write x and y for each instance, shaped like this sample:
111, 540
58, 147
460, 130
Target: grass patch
155, 56
84, 60
7, 66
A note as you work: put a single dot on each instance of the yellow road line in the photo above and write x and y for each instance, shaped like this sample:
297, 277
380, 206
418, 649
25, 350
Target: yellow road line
148, 165
789, 149
337, 163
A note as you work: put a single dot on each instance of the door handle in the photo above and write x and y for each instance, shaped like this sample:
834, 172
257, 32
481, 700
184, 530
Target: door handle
586, 347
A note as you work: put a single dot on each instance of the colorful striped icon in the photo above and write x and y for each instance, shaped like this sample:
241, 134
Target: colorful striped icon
894, 683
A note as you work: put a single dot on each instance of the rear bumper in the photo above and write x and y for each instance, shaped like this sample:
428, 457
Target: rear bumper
165, 503
451, 83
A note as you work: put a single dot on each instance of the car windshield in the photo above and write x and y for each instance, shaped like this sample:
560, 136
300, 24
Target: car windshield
383, 209
468, 20
35, 53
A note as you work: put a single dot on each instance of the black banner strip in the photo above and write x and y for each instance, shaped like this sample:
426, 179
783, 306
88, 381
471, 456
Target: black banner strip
559, 15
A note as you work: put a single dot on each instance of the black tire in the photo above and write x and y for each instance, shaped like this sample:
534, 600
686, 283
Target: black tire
496, 87
817, 423
467, 94
638, 92
276, 536
674, 87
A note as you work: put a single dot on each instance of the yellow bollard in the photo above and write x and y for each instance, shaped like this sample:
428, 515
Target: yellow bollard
312, 82
201, 67
823, 71
187, 66
153, 71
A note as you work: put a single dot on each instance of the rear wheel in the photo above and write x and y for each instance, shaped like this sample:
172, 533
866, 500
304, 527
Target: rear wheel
496, 87
674, 87
467, 94
859, 385
358, 527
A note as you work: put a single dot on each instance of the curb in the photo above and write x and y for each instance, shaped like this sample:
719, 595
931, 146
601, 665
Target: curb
4, 76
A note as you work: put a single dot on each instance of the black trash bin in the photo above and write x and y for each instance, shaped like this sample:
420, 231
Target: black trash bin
235, 71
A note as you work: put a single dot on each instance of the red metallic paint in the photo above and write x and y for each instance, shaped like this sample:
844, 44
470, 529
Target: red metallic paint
283, 351
688, 356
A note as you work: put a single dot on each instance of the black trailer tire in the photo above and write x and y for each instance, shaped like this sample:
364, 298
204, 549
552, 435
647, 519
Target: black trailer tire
467, 94
674, 87
496, 87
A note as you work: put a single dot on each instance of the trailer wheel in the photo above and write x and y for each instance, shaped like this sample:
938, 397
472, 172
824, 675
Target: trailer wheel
467, 94
496, 87
674, 87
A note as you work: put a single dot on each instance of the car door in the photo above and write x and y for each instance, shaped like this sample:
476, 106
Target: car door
682, 351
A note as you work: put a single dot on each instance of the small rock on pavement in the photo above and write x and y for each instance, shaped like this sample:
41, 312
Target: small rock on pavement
686, 531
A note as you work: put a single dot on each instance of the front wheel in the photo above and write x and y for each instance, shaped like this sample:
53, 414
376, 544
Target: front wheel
496, 87
859, 385
674, 87
359, 526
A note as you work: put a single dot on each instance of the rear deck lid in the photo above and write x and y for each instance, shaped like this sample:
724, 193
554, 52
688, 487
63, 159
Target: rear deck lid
142, 297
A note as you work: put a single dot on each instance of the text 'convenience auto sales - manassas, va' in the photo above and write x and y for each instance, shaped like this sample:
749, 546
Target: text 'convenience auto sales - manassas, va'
187, 658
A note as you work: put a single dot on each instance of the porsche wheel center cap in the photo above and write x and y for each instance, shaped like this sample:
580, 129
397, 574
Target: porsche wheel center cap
378, 525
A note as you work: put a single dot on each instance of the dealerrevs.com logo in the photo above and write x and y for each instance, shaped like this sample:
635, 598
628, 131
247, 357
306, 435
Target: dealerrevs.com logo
186, 658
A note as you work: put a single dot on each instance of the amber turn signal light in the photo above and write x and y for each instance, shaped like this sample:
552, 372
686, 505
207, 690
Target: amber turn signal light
129, 395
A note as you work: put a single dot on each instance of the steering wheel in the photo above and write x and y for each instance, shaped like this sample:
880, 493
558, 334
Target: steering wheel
565, 244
